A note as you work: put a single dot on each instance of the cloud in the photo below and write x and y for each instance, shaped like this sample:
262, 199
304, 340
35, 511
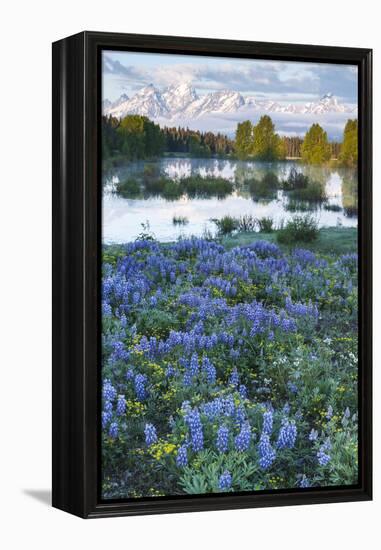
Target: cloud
285, 123
280, 80
115, 68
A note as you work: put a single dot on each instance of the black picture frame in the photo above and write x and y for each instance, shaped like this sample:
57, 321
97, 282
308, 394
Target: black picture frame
76, 271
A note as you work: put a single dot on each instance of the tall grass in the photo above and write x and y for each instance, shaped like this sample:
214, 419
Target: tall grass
299, 228
226, 225
265, 224
246, 223
197, 186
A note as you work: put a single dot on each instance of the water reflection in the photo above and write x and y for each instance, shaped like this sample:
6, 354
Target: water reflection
122, 217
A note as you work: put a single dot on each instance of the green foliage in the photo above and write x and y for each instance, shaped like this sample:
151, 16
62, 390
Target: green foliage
128, 188
197, 186
134, 137
332, 240
203, 477
349, 150
267, 145
299, 228
260, 141
307, 376
246, 223
265, 224
244, 139
315, 148
196, 144
156, 322
198, 149
172, 189
226, 225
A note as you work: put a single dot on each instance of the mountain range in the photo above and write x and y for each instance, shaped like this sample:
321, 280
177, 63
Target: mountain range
181, 101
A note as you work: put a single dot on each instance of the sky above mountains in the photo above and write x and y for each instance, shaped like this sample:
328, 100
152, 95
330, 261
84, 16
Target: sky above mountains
127, 72
282, 82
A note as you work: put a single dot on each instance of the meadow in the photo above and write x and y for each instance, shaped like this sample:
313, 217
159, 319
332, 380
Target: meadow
229, 364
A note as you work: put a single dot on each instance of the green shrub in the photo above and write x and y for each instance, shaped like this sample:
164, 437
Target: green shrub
156, 322
210, 186
226, 225
128, 188
299, 228
265, 224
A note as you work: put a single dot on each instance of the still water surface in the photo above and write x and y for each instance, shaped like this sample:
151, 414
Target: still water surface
122, 217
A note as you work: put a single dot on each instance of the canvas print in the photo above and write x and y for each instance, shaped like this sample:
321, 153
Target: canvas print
229, 275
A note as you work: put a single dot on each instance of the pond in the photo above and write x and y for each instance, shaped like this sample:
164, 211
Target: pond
123, 217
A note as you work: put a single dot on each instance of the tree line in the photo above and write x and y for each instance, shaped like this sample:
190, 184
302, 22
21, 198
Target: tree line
202, 144
137, 137
261, 142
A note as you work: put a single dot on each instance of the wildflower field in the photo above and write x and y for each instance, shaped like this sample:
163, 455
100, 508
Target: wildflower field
227, 369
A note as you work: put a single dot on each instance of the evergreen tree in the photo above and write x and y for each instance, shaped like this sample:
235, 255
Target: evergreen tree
349, 150
315, 148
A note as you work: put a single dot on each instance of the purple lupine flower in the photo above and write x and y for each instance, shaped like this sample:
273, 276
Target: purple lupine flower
242, 440
113, 430
121, 405
267, 454
225, 481
222, 442
150, 434
182, 456
287, 435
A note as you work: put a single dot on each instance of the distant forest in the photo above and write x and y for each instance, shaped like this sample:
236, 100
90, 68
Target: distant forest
137, 137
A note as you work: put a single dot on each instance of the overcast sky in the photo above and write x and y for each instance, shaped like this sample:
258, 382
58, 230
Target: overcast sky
127, 72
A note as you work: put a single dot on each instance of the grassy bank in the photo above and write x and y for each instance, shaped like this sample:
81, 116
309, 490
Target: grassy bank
332, 240
335, 240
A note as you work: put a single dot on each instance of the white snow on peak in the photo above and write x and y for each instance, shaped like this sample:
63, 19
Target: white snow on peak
181, 101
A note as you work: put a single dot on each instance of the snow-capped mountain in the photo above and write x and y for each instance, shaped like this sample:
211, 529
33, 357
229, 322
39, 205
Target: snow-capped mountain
148, 102
182, 102
179, 97
327, 104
